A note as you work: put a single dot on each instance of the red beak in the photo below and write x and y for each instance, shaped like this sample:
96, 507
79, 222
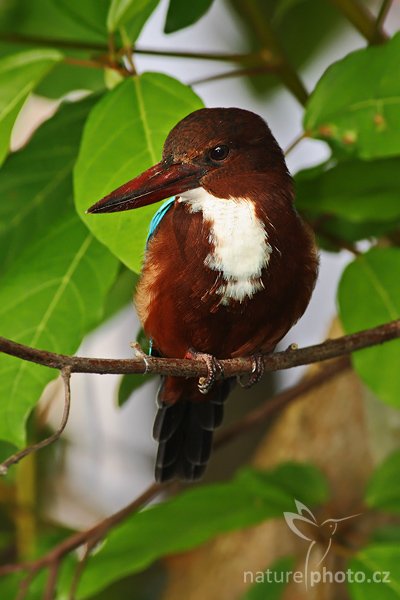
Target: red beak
157, 183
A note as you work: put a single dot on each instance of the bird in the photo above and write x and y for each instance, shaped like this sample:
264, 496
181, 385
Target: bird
229, 267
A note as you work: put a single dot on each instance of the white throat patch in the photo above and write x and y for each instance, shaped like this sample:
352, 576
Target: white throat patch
240, 249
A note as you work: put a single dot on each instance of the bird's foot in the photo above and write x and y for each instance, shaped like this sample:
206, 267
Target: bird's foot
214, 368
257, 371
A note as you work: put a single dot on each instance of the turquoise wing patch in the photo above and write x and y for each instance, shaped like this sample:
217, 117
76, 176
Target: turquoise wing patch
154, 223
160, 214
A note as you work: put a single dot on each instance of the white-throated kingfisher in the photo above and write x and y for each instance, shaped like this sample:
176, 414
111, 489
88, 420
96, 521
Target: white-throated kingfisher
229, 267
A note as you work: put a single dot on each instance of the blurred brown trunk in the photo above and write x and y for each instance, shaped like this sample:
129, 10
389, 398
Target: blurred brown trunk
338, 427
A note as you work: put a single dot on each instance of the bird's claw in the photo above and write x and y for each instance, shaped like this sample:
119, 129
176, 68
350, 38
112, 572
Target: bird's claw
257, 371
214, 370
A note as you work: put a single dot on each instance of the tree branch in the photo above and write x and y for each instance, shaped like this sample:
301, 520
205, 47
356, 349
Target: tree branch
181, 367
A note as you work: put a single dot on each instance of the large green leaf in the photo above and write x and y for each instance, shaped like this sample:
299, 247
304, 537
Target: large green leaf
123, 136
35, 183
378, 565
333, 231
46, 18
57, 275
369, 295
356, 103
19, 74
198, 515
383, 490
88, 16
356, 190
131, 14
65, 19
182, 13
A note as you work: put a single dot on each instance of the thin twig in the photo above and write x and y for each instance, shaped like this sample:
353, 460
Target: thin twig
95, 64
382, 14
24, 584
79, 569
245, 72
97, 532
15, 458
362, 20
295, 142
181, 367
51, 583
17, 38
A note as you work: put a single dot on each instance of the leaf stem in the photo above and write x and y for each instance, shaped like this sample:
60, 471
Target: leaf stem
245, 72
295, 142
16, 38
382, 14
272, 50
362, 20
95, 64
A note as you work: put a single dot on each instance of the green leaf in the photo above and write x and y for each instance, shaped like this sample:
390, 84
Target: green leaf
56, 274
32, 179
89, 16
181, 13
47, 19
65, 19
362, 116
369, 295
131, 14
339, 229
379, 566
129, 384
271, 583
387, 534
123, 136
383, 490
19, 75
194, 517
355, 190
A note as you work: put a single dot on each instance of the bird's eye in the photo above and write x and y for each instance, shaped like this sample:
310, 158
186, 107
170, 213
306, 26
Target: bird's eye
219, 152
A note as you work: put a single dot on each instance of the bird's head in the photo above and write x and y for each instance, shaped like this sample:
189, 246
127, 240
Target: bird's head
220, 149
